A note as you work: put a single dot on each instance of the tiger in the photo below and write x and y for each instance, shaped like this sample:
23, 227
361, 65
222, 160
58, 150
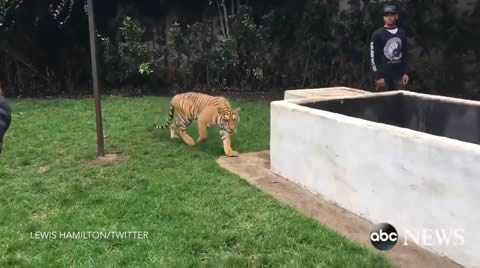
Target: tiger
207, 110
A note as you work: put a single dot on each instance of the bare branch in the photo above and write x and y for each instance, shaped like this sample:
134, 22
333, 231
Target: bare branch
221, 19
29, 66
226, 18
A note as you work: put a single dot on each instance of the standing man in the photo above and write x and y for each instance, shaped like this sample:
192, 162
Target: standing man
5, 117
388, 53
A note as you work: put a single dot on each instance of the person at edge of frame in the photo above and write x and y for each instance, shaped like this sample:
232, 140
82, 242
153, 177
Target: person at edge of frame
5, 117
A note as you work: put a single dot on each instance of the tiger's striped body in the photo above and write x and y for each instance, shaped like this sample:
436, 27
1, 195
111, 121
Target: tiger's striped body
207, 110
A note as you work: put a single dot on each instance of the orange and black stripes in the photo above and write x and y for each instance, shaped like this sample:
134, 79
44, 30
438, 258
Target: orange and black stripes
170, 118
188, 106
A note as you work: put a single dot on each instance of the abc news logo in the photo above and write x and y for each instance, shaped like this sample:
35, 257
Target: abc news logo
384, 237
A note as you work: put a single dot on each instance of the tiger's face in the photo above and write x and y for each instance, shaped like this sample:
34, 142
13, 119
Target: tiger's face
228, 120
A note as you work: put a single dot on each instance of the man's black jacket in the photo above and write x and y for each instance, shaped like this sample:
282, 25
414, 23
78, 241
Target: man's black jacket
388, 53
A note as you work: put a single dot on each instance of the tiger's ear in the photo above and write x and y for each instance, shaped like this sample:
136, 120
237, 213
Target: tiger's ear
236, 110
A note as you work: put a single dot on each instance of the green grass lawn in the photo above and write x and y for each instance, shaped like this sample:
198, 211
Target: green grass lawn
195, 213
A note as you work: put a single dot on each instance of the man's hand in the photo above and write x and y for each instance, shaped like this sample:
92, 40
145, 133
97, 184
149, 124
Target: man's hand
405, 79
380, 83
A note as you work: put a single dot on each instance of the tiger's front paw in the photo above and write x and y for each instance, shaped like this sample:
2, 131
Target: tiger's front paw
232, 154
189, 141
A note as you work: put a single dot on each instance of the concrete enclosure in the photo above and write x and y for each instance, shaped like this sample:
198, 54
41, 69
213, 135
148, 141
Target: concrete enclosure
409, 159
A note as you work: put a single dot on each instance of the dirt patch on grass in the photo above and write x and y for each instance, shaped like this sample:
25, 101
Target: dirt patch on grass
42, 169
255, 169
109, 159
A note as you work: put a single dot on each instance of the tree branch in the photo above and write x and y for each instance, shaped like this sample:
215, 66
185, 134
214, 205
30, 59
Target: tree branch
221, 19
30, 67
226, 18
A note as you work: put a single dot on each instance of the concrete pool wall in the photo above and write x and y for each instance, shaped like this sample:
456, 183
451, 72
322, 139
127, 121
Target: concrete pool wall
414, 180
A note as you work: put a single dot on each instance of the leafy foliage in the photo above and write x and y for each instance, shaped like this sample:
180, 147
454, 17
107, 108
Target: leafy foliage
130, 59
225, 45
6, 8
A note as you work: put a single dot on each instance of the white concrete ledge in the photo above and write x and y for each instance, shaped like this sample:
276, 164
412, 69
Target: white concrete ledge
328, 92
410, 179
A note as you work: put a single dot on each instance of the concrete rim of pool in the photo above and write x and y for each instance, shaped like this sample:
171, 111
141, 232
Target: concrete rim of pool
298, 104
386, 173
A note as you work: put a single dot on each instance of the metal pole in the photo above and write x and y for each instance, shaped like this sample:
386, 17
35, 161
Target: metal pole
93, 55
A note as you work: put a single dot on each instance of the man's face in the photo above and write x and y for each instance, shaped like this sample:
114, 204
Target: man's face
390, 18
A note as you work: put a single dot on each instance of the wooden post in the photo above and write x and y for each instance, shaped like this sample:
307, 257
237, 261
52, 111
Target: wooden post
93, 55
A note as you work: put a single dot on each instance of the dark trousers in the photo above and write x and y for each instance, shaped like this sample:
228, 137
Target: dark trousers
392, 84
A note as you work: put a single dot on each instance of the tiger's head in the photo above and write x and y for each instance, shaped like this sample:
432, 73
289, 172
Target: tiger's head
228, 119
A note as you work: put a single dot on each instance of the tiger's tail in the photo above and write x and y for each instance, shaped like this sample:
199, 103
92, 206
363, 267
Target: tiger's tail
170, 119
